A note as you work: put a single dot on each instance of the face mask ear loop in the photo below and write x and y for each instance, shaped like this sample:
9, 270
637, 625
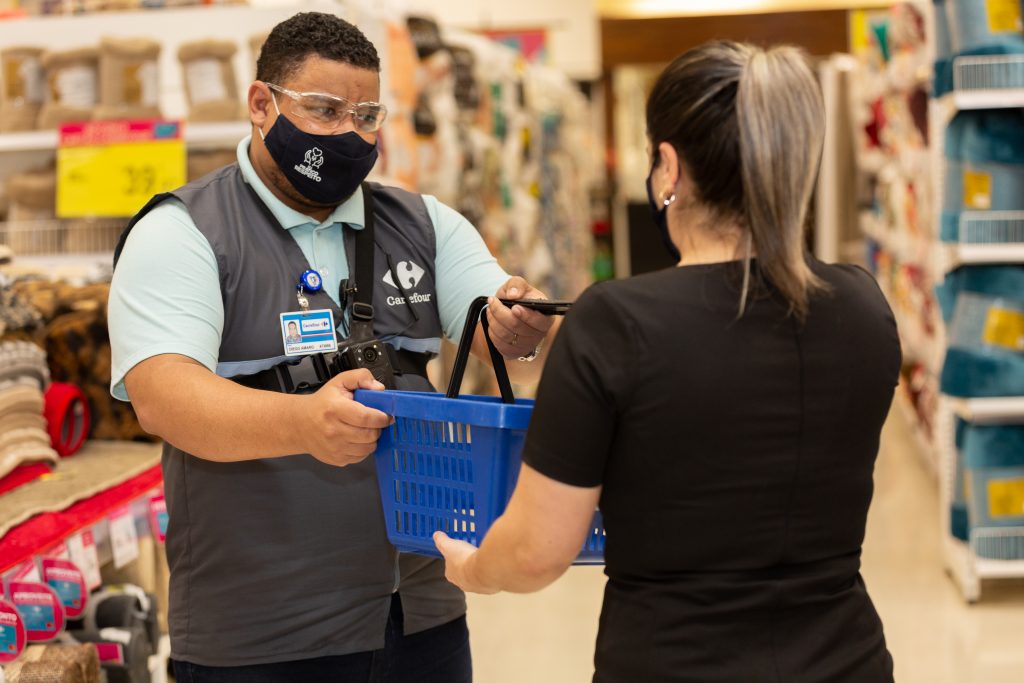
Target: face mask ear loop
274, 100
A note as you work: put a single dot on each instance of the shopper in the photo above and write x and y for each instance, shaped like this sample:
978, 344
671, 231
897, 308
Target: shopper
280, 566
725, 413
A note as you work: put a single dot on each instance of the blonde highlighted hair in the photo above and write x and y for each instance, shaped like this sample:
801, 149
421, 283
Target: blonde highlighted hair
749, 124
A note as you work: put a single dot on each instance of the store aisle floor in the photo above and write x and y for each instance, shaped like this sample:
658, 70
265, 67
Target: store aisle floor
548, 637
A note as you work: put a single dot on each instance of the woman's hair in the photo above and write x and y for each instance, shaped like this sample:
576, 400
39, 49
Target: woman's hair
749, 124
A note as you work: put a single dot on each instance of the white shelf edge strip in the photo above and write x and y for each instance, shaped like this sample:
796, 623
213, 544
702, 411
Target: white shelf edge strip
228, 131
988, 99
990, 409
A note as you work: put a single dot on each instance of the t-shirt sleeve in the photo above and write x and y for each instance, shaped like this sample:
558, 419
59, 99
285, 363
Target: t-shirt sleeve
582, 392
165, 295
464, 267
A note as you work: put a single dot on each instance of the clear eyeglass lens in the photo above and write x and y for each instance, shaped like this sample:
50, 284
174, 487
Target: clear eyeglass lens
332, 112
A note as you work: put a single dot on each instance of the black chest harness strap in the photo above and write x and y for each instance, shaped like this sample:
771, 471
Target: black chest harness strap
309, 372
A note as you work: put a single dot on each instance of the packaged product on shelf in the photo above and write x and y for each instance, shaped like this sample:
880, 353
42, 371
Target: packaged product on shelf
210, 84
942, 80
985, 357
59, 663
24, 87
73, 92
994, 463
129, 79
23, 436
984, 172
32, 227
202, 163
255, 45
92, 235
975, 24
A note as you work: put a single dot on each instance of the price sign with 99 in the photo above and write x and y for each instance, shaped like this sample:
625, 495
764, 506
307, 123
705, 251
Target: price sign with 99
112, 168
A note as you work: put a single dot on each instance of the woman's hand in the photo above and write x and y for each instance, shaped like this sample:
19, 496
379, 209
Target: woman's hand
515, 330
458, 563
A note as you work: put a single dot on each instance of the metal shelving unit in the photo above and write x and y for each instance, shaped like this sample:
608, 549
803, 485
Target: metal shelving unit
217, 134
986, 237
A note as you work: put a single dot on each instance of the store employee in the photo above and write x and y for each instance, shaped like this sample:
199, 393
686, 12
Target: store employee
280, 566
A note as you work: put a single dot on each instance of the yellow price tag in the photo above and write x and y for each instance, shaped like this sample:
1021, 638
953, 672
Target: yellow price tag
112, 168
1004, 327
977, 190
1006, 498
1004, 16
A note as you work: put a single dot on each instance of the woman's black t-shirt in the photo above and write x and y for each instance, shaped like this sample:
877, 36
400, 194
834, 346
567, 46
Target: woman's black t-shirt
736, 458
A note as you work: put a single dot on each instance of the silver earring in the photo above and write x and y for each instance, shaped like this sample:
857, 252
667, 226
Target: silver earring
668, 201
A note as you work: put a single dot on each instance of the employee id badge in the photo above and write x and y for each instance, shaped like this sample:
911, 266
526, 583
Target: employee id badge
307, 332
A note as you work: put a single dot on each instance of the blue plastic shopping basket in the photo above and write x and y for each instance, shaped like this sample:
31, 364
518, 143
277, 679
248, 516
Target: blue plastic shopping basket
450, 462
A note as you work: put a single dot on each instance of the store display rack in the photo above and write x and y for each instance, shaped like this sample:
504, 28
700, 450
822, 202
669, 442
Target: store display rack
48, 534
902, 229
987, 237
220, 134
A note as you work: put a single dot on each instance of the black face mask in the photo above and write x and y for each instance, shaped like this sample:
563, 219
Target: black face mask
660, 215
325, 169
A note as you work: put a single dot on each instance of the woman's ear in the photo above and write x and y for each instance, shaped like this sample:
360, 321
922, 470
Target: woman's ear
668, 172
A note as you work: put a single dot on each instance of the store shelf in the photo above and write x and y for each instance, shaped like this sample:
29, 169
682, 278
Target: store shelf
988, 82
1009, 410
968, 570
989, 99
199, 134
952, 256
52, 522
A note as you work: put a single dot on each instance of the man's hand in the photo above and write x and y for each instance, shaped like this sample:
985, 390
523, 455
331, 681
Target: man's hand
334, 428
517, 331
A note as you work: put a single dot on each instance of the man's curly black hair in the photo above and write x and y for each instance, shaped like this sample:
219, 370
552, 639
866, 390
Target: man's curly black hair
313, 33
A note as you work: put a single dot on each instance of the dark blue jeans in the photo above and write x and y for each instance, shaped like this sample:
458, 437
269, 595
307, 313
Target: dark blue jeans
437, 655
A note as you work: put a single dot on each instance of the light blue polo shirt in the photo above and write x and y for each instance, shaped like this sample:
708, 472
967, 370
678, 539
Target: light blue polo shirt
165, 296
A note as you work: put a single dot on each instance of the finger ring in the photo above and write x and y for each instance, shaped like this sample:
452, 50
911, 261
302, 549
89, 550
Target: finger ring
515, 338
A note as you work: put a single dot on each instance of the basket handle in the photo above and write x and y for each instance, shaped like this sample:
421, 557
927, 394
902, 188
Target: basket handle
475, 313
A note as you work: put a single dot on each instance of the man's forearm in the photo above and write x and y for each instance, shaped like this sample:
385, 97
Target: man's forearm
211, 417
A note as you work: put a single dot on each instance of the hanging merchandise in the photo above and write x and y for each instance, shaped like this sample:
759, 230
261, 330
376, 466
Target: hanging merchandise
40, 609
984, 169
23, 88
210, 84
129, 79
122, 621
426, 35
942, 80
67, 582
12, 632
399, 147
73, 91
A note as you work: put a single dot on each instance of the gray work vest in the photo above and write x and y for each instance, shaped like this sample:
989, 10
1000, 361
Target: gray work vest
287, 558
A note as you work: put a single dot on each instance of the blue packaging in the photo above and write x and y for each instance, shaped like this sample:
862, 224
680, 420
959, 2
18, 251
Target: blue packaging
994, 456
974, 24
985, 357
